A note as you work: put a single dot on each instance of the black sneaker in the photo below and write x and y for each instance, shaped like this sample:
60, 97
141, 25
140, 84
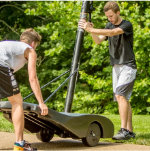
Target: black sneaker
132, 135
123, 134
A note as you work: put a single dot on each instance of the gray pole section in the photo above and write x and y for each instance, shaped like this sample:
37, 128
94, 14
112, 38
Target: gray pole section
76, 58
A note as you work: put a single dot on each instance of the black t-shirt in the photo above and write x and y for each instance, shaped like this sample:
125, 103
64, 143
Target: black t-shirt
121, 46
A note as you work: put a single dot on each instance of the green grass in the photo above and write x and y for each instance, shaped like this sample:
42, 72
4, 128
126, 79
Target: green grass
5, 126
141, 125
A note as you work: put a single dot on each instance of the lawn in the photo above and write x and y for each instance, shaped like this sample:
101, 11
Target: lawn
141, 124
5, 126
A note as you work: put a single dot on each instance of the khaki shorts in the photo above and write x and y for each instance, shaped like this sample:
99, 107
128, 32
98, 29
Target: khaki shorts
123, 80
8, 83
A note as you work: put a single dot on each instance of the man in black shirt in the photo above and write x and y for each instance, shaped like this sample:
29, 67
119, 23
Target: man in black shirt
119, 33
121, 46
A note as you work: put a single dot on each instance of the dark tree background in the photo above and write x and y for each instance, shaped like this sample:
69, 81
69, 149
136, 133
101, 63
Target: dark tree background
57, 23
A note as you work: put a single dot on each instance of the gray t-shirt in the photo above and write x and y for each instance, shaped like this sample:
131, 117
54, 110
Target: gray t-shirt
121, 46
12, 54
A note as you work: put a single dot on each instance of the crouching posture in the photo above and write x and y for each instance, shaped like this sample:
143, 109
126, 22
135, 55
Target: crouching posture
14, 54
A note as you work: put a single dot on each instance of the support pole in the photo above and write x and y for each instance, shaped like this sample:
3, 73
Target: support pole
76, 57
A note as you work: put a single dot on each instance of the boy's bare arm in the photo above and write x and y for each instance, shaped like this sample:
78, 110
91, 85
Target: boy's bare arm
34, 82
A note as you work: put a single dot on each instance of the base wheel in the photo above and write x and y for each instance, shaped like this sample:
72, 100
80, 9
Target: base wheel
93, 135
45, 135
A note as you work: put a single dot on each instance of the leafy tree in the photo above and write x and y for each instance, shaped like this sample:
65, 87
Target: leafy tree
57, 22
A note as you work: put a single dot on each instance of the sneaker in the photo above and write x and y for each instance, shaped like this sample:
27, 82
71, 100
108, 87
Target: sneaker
17, 146
25, 147
123, 134
132, 135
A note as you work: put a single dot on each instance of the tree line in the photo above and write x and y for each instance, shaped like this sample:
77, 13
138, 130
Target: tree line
57, 22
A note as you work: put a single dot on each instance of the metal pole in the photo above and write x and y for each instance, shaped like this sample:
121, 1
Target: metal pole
76, 57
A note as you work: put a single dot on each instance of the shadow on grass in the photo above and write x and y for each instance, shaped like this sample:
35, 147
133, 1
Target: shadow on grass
143, 136
141, 139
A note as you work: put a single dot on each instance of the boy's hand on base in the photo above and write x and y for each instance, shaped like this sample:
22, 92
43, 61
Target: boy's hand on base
44, 109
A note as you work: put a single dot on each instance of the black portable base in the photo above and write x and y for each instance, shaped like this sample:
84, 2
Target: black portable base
63, 124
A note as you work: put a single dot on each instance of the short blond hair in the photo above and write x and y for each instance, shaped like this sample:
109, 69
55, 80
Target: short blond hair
111, 6
30, 35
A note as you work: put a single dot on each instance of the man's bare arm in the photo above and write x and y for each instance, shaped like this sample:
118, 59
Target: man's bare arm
98, 39
105, 32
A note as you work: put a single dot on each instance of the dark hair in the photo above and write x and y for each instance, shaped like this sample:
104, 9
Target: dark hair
111, 6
